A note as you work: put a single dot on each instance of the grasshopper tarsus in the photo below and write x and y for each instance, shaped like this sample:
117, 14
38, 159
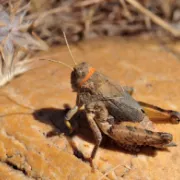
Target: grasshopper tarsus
175, 117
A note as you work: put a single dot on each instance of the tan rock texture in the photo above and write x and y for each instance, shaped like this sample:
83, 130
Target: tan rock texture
33, 104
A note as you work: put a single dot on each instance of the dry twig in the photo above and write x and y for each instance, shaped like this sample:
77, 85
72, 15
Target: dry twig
154, 18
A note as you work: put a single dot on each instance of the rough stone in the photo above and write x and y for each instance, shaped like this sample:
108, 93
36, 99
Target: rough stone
33, 103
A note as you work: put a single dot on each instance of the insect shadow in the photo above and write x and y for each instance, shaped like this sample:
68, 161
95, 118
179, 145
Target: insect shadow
55, 118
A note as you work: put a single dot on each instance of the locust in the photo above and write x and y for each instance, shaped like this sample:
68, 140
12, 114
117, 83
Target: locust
110, 109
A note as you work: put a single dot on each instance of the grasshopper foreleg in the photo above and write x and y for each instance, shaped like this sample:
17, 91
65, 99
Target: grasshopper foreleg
96, 132
68, 117
99, 121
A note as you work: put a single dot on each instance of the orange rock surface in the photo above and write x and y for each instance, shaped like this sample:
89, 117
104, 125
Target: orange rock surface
32, 104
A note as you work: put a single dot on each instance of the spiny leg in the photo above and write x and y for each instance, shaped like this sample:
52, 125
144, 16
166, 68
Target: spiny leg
174, 116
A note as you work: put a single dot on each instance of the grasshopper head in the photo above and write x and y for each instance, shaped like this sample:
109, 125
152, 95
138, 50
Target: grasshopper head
80, 74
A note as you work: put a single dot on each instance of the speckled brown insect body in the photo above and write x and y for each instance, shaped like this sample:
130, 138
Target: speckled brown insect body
111, 109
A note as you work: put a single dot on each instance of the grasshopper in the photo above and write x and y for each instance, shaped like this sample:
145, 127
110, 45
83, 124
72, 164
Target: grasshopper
111, 109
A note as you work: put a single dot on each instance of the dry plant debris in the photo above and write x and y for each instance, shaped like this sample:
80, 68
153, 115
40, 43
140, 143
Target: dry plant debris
79, 19
84, 19
16, 42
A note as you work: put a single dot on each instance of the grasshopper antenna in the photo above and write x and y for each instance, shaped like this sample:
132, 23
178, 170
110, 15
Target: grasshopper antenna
69, 52
59, 63
69, 48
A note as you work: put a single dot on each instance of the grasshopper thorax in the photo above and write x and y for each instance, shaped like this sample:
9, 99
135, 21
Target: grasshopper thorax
80, 75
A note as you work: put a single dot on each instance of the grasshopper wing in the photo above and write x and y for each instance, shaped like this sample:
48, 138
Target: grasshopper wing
119, 102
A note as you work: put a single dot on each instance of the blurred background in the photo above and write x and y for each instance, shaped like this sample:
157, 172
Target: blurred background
28, 26
84, 19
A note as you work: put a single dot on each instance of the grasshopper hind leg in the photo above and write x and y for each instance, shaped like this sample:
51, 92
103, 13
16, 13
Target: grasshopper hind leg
129, 136
160, 113
173, 116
